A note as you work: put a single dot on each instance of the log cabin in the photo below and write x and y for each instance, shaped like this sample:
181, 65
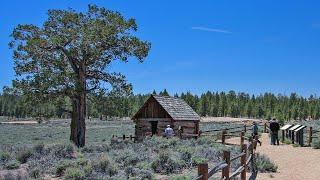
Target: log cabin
159, 111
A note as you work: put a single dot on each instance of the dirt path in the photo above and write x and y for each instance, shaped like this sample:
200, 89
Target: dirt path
294, 163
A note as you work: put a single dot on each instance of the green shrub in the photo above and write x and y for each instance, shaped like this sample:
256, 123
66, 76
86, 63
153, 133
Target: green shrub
39, 148
143, 165
14, 164
74, 174
127, 157
35, 173
82, 161
4, 156
287, 141
87, 169
197, 160
316, 144
186, 154
24, 155
62, 166
264, 164
165, 163
105, 165
135, 173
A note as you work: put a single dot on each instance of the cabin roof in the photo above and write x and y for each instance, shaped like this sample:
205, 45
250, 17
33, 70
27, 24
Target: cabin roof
177, 108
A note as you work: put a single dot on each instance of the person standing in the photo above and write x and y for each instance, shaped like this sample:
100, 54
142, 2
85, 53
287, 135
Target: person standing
255, 129
271, 127
274, 128
276, 133
168, 132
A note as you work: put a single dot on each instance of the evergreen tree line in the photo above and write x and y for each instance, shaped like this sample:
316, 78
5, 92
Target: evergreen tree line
216, 104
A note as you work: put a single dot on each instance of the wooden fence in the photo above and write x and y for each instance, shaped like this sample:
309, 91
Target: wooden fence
247, 157
124, 137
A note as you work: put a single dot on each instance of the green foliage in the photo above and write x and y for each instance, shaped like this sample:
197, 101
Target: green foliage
105, 165
24, 155
198, 160
74, 173
62, 166
14, 164
35, 173
316, 144
166, 163
127, 157
287, 141
264, 164
232, 104
39, 148
4, 156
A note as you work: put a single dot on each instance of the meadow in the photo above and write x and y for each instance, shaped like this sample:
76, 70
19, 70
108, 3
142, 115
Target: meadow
43, 151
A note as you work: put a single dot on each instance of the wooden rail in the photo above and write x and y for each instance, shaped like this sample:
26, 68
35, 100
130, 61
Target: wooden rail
124, 137
247, 157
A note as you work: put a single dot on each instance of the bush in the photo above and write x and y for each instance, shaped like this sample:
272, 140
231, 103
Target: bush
197, 160
316, 144
127, 157
4, 156
96, 148
186, 154
63, 150
14, 164
35, 173
164, 163
87, 169
74, 174
39, 148
105, 165
62, 166
138, 173
264, 164
24, 155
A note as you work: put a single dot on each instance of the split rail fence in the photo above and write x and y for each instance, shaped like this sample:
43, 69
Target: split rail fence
247, 158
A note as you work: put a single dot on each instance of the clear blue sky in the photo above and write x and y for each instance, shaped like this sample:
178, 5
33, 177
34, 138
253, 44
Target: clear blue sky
250, 46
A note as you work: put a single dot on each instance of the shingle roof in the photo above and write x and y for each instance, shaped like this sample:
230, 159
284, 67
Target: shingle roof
177, 108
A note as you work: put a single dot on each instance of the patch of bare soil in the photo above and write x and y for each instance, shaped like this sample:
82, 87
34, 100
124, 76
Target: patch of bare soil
228, 119
294, 163
21, 173
19, 122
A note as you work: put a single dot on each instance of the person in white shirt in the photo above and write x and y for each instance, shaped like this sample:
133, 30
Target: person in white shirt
168, 132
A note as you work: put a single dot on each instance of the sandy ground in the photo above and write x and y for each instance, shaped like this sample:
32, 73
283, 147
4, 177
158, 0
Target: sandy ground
228, 119
294, 163
19, 122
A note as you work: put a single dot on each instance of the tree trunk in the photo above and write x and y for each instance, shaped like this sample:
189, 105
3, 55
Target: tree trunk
78, 124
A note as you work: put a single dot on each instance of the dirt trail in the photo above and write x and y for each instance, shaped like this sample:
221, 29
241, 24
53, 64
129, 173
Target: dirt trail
294, 163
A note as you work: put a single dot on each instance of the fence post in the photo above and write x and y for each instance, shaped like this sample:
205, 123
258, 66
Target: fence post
241, 138
203, 170
310, 136
243, 162
223, 136
283, 134
265, 127
245, 128
124, 137
226, 170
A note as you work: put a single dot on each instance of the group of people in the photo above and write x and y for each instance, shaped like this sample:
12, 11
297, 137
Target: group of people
274, 129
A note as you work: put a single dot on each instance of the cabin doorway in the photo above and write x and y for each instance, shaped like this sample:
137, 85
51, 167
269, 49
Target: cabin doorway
154, 127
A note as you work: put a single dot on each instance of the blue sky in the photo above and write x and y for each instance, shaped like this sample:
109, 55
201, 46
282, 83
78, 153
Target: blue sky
250, 46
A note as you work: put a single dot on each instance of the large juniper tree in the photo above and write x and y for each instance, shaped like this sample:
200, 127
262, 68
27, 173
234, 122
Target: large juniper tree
69, 55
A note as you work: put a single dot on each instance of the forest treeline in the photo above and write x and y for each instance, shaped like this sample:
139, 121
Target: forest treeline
215, 104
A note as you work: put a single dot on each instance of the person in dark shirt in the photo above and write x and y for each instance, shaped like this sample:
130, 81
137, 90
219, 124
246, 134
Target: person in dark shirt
274, 128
